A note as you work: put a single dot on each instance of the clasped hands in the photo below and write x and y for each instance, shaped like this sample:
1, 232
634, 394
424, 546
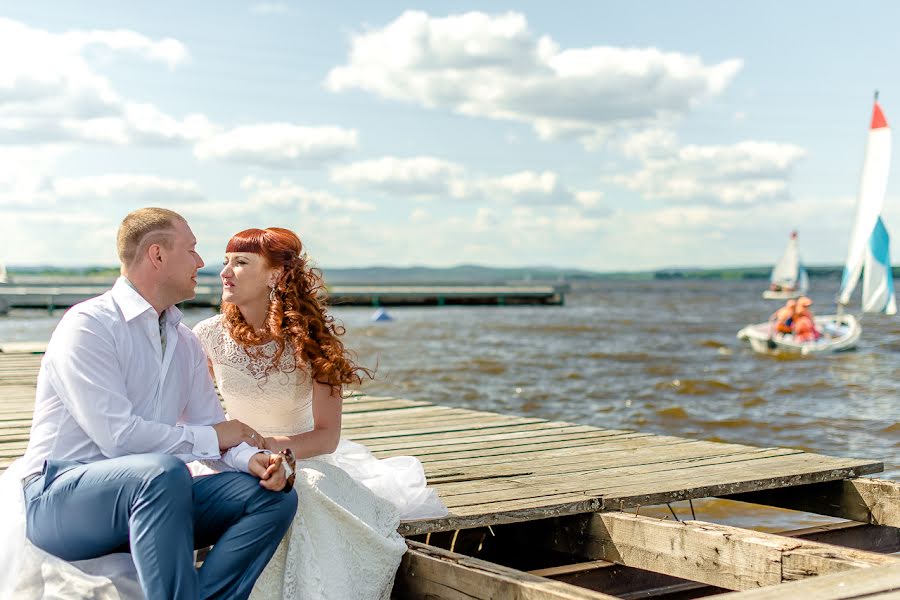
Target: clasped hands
271, 469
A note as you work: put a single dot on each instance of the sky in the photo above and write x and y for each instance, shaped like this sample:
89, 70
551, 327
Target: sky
596, 135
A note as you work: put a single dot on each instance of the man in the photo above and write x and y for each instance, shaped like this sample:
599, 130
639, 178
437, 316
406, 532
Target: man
124, 399
783, 317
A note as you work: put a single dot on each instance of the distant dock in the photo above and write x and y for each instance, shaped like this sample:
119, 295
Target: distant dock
49, 296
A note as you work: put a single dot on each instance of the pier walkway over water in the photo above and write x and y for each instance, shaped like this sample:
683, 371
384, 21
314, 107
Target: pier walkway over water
545, 509
55, 295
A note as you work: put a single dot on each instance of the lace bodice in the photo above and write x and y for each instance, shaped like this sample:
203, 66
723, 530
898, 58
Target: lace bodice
277, 404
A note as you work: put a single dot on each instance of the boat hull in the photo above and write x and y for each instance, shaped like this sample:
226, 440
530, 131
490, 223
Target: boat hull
841, 334
770, 295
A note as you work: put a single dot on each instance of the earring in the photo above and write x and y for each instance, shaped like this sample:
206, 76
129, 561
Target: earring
272, 294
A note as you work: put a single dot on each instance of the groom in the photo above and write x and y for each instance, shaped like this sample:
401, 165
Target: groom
124, 399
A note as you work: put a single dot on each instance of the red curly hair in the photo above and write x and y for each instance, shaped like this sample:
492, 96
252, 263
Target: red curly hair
297, 313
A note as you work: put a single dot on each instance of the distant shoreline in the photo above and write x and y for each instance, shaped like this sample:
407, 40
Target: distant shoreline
464, 274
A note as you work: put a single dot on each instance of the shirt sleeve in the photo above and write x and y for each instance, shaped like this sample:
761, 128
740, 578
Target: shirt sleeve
93, 390
203, 408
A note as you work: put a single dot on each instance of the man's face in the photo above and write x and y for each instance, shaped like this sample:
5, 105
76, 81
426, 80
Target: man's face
180, 264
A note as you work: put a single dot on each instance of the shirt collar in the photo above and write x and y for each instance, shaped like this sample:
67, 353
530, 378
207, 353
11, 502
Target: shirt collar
133, 304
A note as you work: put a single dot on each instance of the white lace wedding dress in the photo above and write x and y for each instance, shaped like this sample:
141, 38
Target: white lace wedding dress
343, 543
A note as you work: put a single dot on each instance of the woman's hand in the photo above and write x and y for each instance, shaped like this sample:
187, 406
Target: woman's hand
269, 469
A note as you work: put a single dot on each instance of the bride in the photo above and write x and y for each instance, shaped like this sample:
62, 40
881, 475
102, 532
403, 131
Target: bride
280, 365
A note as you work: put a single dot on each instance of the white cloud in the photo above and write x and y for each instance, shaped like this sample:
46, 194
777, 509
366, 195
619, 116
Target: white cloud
168, 51
649, 143
278, 145
742, 173
493, 66
51, 92
270, 8
25, 179
422, 176
127, 187
525, 187
286, 195
427, 177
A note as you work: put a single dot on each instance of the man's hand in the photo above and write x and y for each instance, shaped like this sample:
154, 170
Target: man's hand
269, 470
232, 433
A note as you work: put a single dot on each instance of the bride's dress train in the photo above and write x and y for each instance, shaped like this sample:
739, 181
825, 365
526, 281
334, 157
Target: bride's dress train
343, 543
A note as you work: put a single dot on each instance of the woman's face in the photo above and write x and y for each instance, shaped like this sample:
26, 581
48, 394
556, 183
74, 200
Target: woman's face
246, 278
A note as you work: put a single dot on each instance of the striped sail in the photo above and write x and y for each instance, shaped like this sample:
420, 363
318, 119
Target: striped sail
872, 189
878, 282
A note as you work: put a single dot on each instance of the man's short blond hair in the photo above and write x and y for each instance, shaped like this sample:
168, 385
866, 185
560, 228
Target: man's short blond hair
142, 228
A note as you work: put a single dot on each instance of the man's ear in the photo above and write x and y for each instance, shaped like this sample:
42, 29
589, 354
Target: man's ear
154, 252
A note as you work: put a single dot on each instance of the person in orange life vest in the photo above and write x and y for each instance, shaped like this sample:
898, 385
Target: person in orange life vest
782, 318
804, 325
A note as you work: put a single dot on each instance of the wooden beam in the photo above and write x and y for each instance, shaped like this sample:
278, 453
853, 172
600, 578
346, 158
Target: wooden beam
873, 501
627, 582
428, 572
718, 555
877, 583
850, 534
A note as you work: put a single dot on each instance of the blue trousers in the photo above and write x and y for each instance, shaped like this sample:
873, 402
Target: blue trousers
149, 501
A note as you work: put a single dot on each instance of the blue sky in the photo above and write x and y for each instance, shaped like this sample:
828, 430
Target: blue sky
605, 136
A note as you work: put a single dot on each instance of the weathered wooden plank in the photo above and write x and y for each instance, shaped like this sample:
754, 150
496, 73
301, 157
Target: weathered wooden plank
428, 572
381, 422
610, 474
437, 429
718, 555
383, 405
486, 454
580, 458
23, 347
499, 435
851, 534
875, 583
623, 581
516, 451
874, 501
716, 481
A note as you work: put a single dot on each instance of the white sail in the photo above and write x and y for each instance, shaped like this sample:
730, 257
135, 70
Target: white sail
872, 189
878, 281
787, 270
3, 278
803, 286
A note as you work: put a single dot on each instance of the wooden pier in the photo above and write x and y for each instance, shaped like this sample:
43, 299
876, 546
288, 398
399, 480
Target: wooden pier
53, 296
542, 509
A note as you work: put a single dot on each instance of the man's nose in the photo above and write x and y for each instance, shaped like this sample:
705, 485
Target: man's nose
200, 262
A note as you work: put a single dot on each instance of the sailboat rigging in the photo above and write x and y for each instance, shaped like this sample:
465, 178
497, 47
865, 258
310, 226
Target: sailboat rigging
868, 257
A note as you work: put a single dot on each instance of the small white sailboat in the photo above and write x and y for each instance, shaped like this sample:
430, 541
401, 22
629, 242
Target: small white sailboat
789, 279
868, 255
3, 277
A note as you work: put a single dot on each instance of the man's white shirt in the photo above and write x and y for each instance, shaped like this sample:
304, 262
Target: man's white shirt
105, 389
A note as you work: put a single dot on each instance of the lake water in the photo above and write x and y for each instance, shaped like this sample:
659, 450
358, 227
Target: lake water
656, 356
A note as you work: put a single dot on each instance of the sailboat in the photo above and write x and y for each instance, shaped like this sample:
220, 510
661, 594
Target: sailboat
868, 256
789, 279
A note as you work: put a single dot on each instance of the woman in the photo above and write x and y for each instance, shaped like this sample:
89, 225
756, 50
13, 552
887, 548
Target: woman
804, 322
280, 365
